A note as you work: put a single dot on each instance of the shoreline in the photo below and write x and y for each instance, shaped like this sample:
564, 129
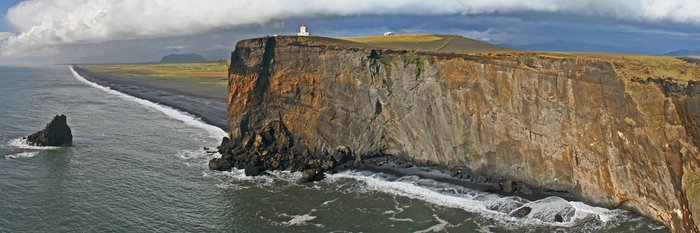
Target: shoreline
456, 176
188, 102
209, 107
383, 164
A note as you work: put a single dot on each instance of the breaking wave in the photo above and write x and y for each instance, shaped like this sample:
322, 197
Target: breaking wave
28, 150
550, 211
21, 155
23, 144
214, 132
547, 212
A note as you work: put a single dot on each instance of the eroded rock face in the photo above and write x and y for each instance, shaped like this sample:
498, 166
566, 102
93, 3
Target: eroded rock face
583, 126
56, 133
271, 148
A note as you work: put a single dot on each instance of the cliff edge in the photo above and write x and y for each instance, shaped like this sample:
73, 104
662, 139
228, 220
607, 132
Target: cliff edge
615, 131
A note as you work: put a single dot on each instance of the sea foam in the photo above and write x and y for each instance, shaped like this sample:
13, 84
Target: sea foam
23, 144
214, 132
26, 154
489, 205
300, 220
492, 206
30, 150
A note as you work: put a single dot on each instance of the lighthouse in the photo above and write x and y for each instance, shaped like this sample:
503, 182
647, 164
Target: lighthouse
302, 31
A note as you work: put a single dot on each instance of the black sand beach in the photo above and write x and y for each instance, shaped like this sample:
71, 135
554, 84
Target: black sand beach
207, 102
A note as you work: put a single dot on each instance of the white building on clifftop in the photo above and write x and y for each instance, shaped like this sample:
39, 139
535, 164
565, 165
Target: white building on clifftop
302, 31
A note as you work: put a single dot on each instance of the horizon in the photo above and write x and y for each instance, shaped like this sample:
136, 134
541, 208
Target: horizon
111, 32
350, 116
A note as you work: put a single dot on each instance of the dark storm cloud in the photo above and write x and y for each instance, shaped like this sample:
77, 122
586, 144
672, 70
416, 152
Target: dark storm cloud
99, 30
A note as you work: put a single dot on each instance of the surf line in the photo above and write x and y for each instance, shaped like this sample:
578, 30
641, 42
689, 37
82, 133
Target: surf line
489, 205
189, 119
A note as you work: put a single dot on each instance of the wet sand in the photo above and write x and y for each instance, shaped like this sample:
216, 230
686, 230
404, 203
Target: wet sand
205, 101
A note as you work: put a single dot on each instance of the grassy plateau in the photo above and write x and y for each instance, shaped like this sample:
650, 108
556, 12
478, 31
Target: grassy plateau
428, 42
213, 73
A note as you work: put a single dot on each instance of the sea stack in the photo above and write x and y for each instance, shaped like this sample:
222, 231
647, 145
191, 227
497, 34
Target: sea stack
56, 133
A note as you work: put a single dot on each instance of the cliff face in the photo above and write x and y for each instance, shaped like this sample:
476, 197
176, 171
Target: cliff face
595, 128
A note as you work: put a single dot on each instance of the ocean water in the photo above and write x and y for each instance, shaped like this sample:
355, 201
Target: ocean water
138, 166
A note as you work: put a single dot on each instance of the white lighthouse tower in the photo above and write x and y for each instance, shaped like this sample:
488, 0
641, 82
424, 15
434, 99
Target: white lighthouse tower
302, 31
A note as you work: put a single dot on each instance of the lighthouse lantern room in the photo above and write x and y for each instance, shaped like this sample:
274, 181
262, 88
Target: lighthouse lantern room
302, 31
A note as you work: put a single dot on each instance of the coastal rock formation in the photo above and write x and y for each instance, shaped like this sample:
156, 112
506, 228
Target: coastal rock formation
272, 148
56, 133
609, 132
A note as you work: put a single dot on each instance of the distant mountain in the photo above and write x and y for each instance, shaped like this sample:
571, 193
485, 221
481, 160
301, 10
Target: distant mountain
216, 54
684, 53
565, 46
182, 58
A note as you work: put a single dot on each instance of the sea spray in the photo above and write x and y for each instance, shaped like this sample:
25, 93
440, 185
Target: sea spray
489, 205
23, 144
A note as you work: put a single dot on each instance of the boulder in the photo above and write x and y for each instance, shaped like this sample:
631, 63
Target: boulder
523, 189
56, 133
558, 218
219, 164
342, 155
521, 212
224, 146
507, 186
311, 175
253, 170
327, 165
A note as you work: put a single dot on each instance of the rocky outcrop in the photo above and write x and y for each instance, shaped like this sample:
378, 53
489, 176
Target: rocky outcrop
56, 133
597, 129
272, 148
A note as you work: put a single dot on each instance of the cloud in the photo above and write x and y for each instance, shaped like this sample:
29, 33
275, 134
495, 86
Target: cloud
6, 35
45, 24
634, 29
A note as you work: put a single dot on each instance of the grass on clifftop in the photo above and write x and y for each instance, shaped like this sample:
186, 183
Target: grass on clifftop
644, 66
213, 73
632, 65
662, 66
412, 38
428, 42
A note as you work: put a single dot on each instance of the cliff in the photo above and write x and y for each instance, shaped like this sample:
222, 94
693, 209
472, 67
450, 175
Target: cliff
612, 131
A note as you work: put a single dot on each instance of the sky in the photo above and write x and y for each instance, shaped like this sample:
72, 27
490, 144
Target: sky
94, 31
4, 6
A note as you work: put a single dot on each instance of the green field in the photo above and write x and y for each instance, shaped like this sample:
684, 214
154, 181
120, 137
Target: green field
428, 42
214, 73
662, 66
405, 38
641, 65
